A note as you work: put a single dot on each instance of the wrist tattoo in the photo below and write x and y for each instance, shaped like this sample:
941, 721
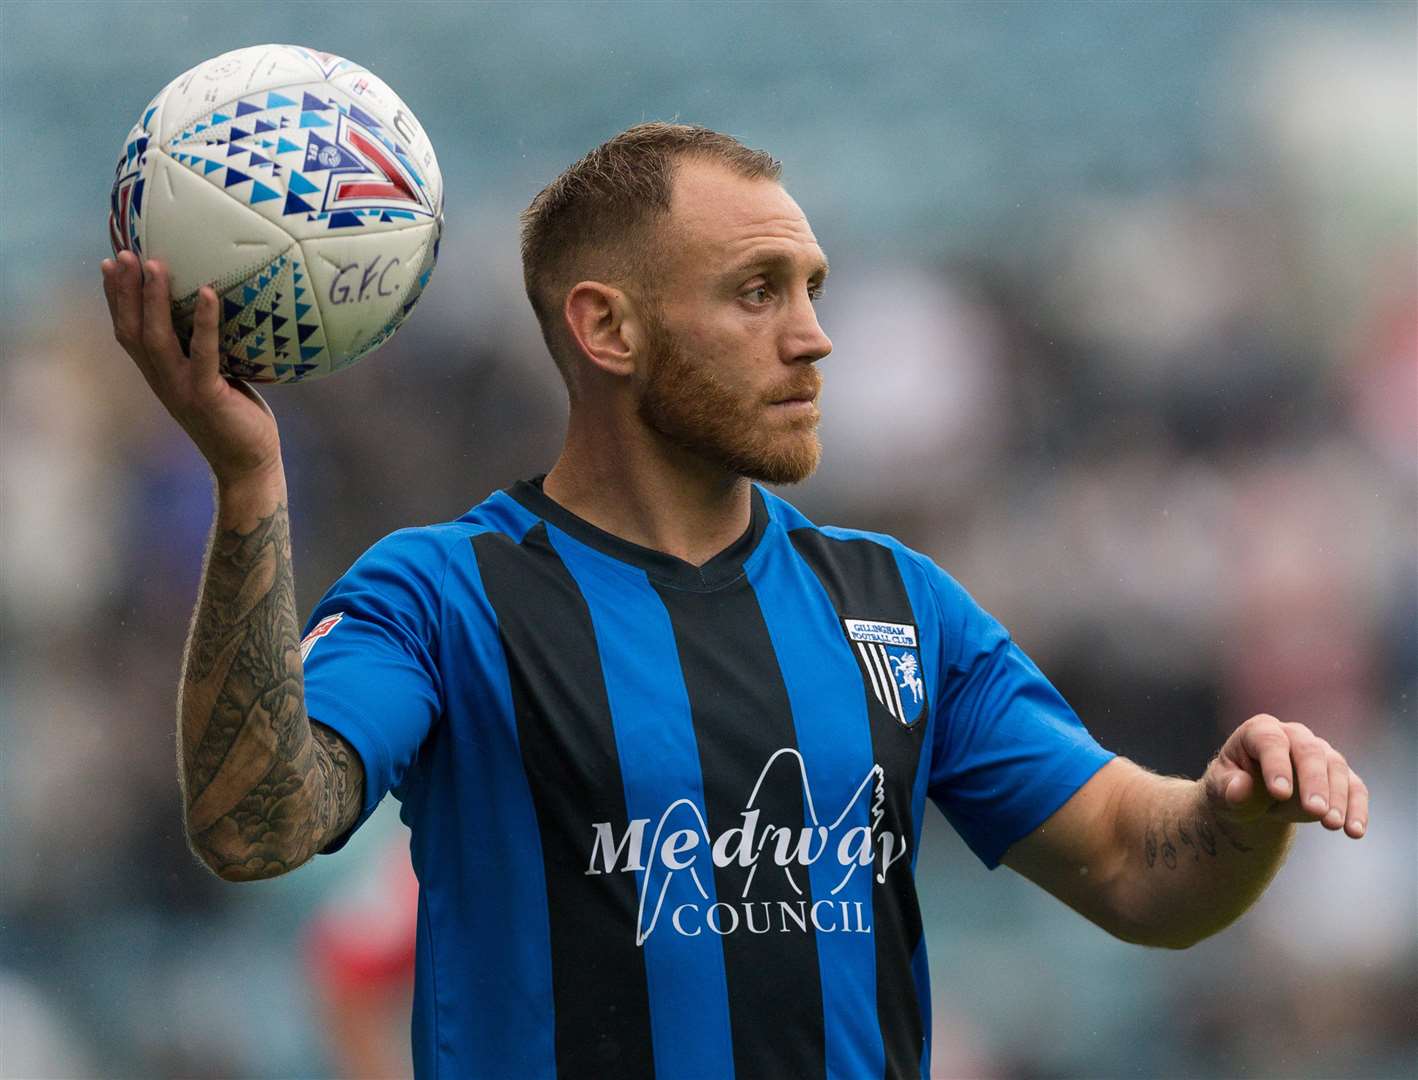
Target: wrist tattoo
1171, 839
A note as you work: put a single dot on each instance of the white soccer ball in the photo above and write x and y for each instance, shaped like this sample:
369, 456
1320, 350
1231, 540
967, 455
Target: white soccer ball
301, 188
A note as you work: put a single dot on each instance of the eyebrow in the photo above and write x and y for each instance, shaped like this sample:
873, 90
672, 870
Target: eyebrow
776, 258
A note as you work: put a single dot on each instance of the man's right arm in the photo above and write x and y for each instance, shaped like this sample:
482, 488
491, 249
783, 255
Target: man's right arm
264, 788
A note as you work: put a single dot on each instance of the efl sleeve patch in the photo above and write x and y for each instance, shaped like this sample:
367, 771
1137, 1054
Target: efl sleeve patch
319, 630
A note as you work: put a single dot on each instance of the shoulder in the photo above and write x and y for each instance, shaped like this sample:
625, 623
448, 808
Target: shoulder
425, 549
933, 591
417, 550
915, 566
409, 577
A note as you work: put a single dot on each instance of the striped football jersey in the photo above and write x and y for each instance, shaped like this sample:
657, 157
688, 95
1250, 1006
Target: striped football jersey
665, 818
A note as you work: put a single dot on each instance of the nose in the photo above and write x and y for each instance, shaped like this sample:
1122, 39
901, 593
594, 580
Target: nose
806, 341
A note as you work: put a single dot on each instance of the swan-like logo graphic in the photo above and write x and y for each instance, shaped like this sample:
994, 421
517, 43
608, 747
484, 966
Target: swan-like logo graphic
681, 844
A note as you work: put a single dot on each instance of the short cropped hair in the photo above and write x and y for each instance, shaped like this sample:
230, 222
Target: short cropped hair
598, 220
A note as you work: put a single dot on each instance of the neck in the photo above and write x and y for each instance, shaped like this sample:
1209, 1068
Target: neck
628, 481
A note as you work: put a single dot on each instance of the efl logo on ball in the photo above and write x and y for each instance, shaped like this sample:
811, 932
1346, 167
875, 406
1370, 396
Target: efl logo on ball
301, 188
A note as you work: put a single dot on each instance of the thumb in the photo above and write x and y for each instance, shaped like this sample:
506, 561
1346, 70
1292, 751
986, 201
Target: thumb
1238, 787
1228, 785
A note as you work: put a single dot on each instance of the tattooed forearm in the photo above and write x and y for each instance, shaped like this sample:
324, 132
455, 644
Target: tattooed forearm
1170, 839
262, 790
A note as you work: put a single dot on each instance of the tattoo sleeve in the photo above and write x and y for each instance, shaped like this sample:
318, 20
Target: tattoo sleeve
263, 787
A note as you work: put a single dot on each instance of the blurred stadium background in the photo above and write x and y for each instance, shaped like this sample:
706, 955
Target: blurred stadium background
1131, 287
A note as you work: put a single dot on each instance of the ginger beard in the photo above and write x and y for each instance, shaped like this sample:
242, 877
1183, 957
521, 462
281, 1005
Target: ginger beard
692, 408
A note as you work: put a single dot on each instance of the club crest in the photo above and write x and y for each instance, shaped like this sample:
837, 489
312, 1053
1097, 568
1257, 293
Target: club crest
891, 658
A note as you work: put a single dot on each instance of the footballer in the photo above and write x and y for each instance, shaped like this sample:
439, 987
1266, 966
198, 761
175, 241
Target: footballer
665, 744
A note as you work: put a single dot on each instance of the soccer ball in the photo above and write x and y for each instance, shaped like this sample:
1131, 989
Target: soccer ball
298, 186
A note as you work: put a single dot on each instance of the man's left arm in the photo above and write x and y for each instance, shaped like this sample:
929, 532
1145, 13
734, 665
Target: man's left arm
1167, 862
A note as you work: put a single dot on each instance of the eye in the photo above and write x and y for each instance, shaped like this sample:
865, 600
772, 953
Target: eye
764, 289
815, 292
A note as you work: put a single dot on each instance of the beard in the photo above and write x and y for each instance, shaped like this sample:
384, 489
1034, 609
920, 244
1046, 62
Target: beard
692, 408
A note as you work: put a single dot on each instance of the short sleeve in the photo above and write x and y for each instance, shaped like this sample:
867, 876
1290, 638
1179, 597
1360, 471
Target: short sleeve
369, 653
1007, 749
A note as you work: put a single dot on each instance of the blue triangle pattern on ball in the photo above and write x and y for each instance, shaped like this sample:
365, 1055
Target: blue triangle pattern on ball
356, 113
300, 185
296, 205
252, 313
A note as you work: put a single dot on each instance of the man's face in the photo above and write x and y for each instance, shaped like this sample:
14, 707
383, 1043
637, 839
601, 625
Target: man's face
733, 334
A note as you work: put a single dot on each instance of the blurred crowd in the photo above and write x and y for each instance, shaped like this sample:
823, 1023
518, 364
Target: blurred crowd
1172, 443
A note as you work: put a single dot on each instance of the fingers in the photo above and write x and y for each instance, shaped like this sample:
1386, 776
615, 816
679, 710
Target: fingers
123, 289
109, 269
1265, 741
1311, 758
1305, 778
1356, 815
123, 285
206, 354
1338, 792
159, 338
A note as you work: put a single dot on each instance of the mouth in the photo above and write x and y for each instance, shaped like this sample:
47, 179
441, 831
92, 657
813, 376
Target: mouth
805, 406
799, 396
796, 401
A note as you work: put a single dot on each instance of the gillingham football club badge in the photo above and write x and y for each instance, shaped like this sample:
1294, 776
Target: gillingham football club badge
891, 658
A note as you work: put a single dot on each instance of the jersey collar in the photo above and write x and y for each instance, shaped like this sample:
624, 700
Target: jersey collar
666, 569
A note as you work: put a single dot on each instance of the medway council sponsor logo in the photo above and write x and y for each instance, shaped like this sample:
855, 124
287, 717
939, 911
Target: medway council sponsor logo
750, 844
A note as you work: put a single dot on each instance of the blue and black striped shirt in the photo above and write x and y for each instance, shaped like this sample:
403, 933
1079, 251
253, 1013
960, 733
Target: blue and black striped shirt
665, 818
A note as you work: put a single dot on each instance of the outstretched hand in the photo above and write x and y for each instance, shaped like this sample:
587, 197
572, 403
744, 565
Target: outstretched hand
230, 423
1285, 772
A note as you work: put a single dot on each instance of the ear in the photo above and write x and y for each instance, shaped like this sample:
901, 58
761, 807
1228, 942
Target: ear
601, 320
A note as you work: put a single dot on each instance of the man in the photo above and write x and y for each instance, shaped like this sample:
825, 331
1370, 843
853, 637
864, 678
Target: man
664, 744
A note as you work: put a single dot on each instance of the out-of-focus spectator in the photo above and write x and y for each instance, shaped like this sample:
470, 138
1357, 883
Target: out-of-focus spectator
359, 951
